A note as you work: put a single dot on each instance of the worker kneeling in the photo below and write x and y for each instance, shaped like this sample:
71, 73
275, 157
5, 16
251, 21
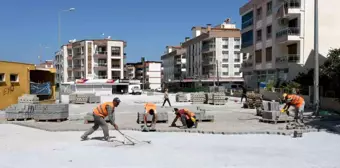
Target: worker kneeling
298, 102
99, 114
150, 109
187, 117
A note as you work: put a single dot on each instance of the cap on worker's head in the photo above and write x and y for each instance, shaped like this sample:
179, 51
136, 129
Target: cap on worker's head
116, 99
284, 95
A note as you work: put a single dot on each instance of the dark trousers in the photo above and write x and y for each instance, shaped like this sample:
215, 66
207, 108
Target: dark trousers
166, 100
243, 96
186, 122
98, 122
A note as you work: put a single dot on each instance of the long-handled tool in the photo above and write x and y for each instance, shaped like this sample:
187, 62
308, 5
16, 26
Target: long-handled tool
129, 138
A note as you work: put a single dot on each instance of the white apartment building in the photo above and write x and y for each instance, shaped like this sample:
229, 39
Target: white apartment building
129, 71
174, 64
90, 59
152, 73
213, 54
279, 35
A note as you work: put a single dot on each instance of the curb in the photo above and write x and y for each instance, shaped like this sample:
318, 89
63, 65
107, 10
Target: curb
284, 133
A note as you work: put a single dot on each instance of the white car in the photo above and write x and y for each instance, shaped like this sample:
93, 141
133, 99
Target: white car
159, 89
136, 91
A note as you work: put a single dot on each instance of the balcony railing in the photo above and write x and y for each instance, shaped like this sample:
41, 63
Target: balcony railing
289, 31
247, 23
115, 66
291, 58
101, 54
292, 4
102, 77
209, 47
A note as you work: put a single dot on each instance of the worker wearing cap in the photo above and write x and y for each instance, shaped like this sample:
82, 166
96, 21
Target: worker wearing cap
99, 113
188, 118
150, 109
298, 102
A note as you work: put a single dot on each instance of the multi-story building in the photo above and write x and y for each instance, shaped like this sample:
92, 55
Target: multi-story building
174, 64
90, 59
213, 54
279, 36
46, 64
152, 71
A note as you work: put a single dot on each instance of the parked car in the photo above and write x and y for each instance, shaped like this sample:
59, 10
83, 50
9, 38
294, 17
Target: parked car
136, 91
159, 90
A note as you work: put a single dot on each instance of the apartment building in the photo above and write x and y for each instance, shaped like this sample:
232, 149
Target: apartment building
46, 64
152, 71
213, 54
279, 35
174, 64
90, 59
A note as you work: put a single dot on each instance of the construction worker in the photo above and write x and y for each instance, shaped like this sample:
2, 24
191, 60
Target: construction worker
99, 113
150, 109
188, 118
298, 102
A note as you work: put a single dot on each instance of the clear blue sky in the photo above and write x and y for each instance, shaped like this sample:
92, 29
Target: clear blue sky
147, 25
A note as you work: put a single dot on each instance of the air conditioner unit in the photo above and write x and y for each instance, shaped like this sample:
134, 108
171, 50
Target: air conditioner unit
283, 22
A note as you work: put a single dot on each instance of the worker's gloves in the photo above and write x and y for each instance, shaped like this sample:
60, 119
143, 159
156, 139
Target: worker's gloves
283, 110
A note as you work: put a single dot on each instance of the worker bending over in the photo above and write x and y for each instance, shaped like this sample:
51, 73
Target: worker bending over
99, 113
298, 102
187, 117
150, 109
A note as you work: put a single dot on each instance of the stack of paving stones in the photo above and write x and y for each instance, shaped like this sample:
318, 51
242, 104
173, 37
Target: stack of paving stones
219, 98
94, 99
24, 109
253, 101
202, 116
271, 113
162, 117
181, 97
89, 118
197, 98
209, 98
51, 112
82, 98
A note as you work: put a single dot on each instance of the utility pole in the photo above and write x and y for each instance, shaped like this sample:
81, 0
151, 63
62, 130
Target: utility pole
144, 71
316, 54
217, 74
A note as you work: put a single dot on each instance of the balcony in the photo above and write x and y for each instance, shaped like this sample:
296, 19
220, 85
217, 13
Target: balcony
208, 48
178, 61
115, 66
101, 77
291, 58
100, 54
100, 66
70, 79
69, 58
289, 34
247, 23
69, 68
78, 67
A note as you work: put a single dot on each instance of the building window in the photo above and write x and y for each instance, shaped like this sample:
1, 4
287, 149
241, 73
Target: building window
225, 46
259, 35
115, 51
237, 39
225, 39
247, 20
258, 13
2, 77
258, 56
237, 46
247, 39
269, 8
14, 78
225, 52
225, 66
225, 60
225, 73
237, 73
269, 32
268, 54
237, 65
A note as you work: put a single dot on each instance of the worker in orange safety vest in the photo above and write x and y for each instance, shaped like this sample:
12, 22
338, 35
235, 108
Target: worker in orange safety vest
187, 117
298, 102
150, 109
99, 113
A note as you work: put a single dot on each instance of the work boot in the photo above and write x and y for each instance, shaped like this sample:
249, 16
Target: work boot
108, 139
84, 138
153, 127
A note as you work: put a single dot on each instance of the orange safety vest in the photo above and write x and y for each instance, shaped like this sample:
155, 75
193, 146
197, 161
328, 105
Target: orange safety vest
296, 100
101, 111
187, 113
149, 106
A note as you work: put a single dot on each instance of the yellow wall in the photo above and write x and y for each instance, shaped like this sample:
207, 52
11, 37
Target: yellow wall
10, 91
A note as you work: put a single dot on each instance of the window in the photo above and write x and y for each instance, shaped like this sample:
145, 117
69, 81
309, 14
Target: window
269, 8
237, 39
269, 32
14, 78
237, 65
225, 52
237, 46
225, 73
247, 38
225, 60
115, 51
225, 66
258, 14
225, 39
247, 20
2, 77
225, 46
268, 54
237, 73
258, 56
259, 35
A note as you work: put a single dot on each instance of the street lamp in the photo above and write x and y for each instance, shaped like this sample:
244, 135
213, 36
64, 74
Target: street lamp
316, 55
59, 43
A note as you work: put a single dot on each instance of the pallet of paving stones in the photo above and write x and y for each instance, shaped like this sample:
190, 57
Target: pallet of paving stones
162, 117
28, 99
219, 98
274, 117
181, 97
80, 98
94, 99
198, 98
19, 112
47, 112
72, 98
203, 117
89, 118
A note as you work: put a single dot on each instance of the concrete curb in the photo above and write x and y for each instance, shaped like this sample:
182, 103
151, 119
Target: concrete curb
284, 133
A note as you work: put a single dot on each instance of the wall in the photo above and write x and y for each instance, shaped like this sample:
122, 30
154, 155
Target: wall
154, 74
9, 92
121, 45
